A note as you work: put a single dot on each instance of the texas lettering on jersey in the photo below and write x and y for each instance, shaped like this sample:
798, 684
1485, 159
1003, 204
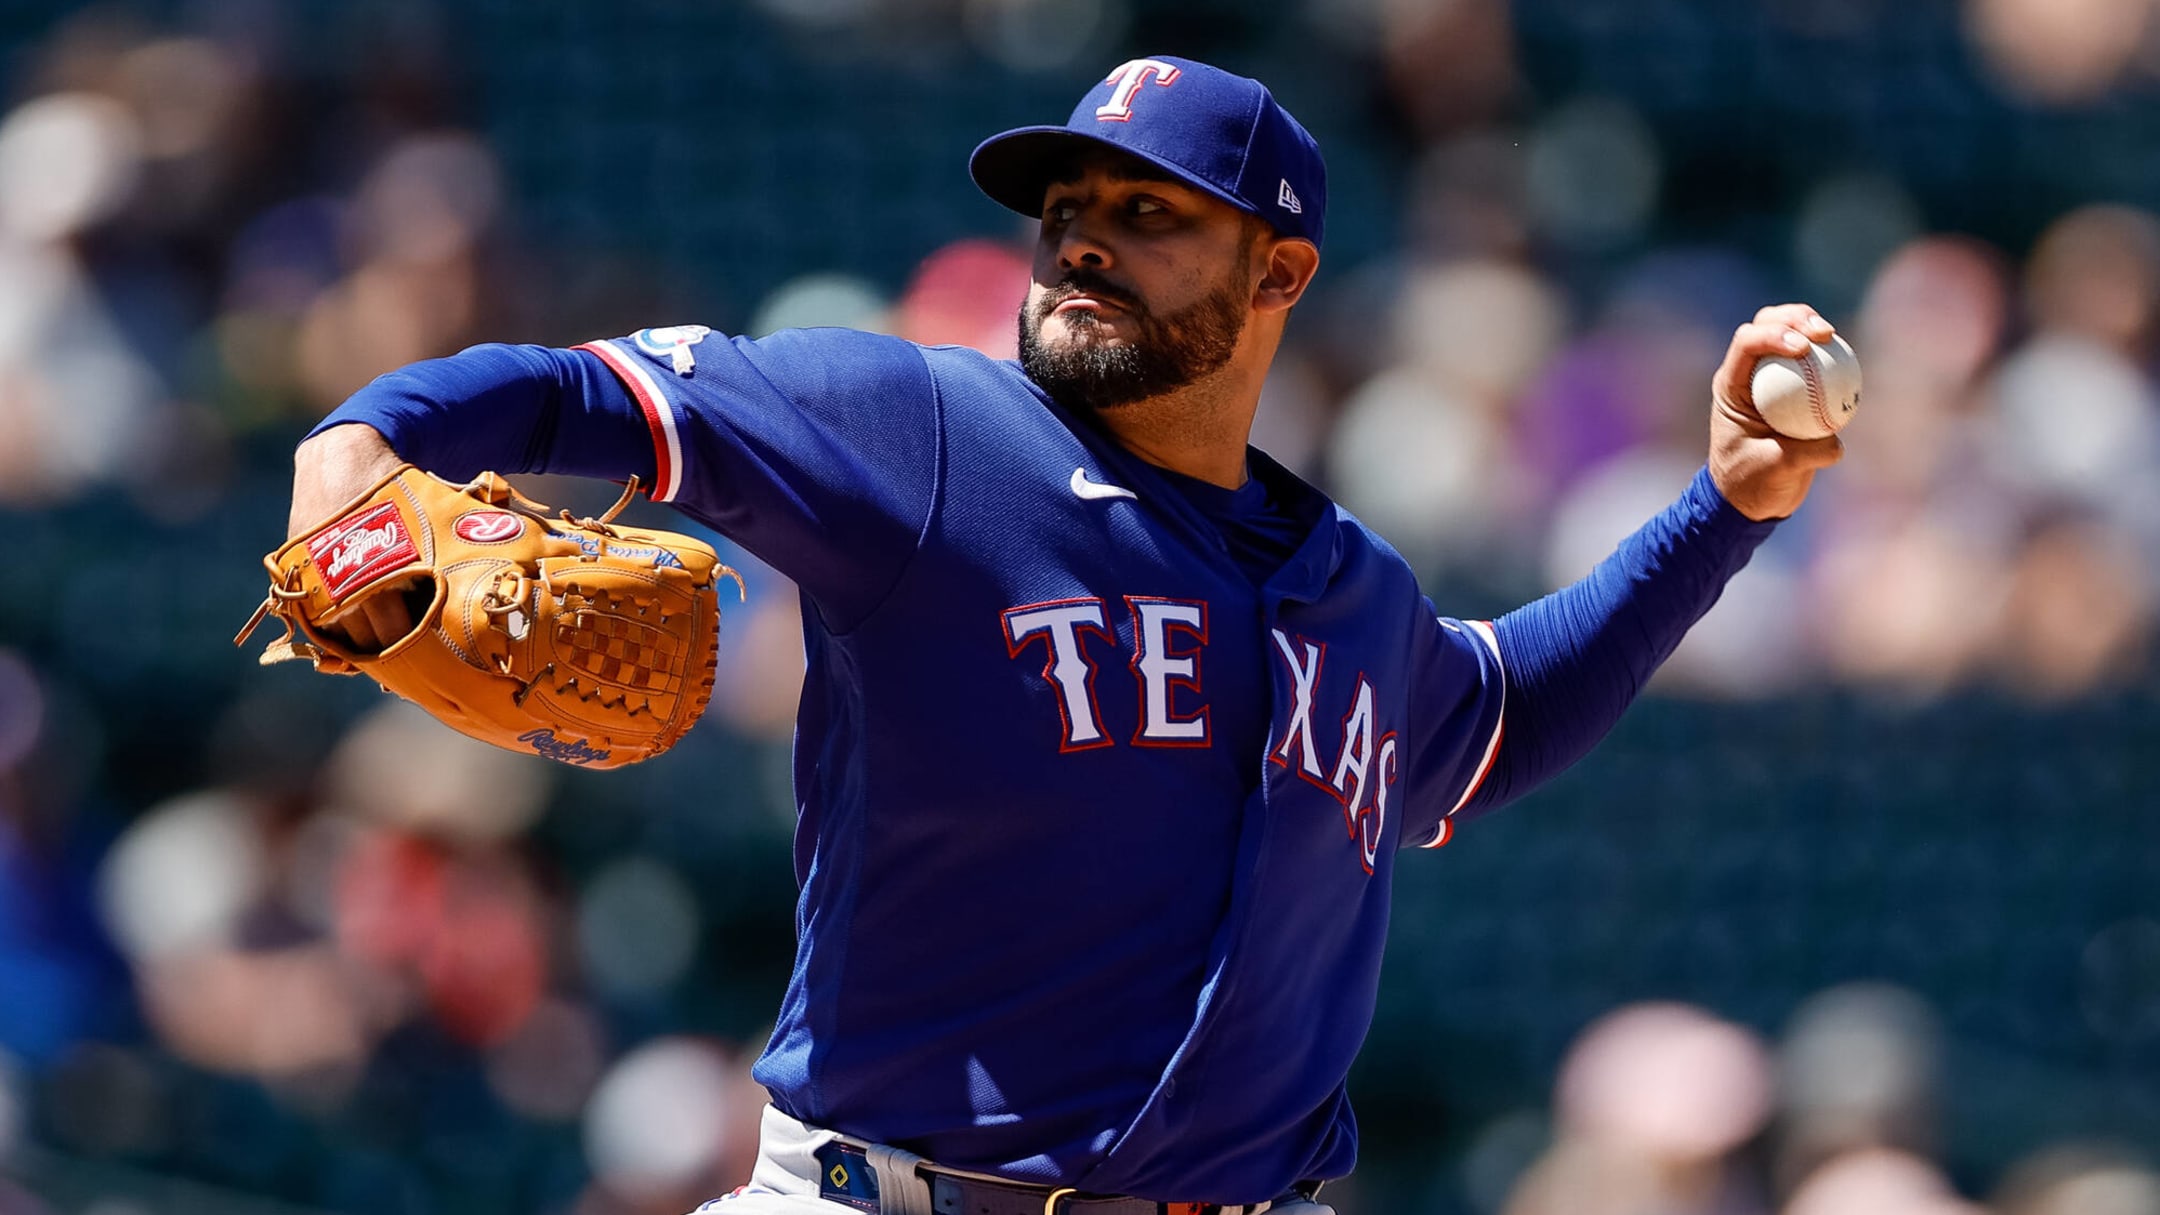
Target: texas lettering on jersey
1077, 637
1365, 766
1170, 636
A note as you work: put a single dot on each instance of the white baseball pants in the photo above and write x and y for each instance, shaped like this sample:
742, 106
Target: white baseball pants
785, 1181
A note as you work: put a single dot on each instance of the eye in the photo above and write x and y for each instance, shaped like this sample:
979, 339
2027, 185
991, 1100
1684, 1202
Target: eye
1060, 211
1145, 205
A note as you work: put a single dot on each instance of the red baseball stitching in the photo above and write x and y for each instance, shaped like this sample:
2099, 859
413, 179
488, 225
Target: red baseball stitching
1816, 397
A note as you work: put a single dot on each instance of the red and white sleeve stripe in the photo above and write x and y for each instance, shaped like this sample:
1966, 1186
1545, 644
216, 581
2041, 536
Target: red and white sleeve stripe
1483, 631
659, 416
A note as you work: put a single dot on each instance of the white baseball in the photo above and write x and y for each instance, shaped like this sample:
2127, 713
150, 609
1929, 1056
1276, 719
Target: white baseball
1810, 397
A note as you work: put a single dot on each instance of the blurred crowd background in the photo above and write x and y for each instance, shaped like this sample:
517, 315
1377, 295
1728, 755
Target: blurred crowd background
1858, 914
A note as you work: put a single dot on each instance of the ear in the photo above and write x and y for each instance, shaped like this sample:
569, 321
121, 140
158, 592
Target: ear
1284, 268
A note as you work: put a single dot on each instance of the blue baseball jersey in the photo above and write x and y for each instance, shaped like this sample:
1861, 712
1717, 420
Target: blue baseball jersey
1096, 829
1095, 833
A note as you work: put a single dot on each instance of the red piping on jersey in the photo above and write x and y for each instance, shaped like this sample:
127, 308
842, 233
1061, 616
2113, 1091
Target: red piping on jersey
665, 483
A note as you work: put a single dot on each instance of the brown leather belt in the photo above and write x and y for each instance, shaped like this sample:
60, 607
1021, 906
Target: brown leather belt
951, 1195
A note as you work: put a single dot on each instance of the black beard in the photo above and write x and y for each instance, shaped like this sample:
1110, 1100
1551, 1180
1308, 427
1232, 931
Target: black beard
1170, 352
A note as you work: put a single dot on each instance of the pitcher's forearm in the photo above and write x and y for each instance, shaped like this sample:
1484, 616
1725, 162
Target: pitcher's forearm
506, 408
332, 468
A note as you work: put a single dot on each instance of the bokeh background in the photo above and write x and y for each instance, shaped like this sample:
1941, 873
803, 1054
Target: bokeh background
1857, 914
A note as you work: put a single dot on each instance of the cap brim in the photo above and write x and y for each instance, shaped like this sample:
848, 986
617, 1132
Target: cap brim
1016, 167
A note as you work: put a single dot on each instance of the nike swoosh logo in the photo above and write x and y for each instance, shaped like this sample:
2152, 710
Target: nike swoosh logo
1085, 488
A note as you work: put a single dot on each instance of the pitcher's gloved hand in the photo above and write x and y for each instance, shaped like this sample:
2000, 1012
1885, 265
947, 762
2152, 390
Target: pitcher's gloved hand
569, 638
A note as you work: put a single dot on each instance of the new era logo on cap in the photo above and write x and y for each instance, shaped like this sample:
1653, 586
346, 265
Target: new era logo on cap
1218, 132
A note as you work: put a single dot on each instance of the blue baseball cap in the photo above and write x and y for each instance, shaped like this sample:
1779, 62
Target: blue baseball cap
1217, 132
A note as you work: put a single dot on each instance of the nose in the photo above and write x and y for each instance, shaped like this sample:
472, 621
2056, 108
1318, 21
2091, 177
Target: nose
1079, 245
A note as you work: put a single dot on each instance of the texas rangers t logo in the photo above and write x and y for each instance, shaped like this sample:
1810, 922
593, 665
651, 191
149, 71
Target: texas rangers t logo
1128, 78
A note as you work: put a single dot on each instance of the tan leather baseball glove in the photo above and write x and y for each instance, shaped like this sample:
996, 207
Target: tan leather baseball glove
570, 638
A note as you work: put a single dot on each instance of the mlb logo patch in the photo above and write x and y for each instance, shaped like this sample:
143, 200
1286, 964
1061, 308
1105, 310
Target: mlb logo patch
673, 343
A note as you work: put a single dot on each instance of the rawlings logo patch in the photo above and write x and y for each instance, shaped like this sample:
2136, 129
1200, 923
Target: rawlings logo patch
354, 554
544, 743
487, 526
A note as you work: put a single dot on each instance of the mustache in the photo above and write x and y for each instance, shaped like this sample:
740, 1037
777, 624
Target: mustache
1087, 282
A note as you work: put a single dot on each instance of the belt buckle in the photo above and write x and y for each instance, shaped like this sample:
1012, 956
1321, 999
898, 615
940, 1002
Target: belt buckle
845, 1177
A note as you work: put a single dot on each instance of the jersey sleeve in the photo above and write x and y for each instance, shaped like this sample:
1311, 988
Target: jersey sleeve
815, 449
504, 408
1459, 715
1570, 663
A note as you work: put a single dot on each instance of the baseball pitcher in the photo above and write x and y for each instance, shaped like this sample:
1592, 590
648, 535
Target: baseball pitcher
1113, 730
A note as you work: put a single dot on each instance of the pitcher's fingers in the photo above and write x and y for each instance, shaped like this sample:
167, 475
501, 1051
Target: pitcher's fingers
353, 625
1802, 317
386, 614
1751, 343
1813, 453
1764, 338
